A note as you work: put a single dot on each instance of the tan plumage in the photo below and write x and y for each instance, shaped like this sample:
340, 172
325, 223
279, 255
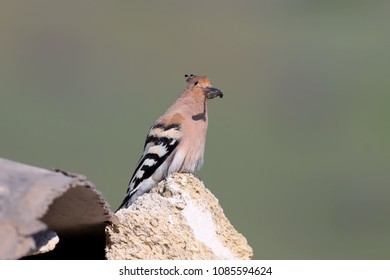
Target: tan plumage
176, 141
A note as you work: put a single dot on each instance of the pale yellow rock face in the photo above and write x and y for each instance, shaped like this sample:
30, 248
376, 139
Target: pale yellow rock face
179, 219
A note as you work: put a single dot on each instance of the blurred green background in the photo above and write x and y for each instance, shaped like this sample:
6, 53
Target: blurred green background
298, 149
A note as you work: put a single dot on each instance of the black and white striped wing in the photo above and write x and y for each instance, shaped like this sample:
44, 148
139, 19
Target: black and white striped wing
160, 143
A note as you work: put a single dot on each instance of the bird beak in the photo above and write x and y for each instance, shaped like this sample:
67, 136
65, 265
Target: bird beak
213, 92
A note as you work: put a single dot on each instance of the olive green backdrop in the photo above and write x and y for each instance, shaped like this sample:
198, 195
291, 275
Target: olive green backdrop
298, 149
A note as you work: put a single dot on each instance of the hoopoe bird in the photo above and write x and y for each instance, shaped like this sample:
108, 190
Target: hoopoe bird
176, 141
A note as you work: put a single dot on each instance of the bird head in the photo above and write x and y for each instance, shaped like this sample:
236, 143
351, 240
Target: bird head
201, 85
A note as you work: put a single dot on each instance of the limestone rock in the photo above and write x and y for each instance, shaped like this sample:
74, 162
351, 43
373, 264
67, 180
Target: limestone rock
178, 219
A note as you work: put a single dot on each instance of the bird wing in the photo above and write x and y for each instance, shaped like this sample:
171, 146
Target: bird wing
161, 141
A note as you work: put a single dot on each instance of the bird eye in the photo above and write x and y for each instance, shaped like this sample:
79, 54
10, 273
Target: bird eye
196, 83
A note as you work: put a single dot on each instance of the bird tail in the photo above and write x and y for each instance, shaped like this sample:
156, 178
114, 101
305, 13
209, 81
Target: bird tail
124, 202
134, 192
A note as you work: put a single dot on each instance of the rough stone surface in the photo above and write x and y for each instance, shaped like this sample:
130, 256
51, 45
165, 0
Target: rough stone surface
45, 241
179, 219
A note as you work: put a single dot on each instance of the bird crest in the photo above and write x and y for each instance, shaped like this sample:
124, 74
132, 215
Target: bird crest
189, 77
